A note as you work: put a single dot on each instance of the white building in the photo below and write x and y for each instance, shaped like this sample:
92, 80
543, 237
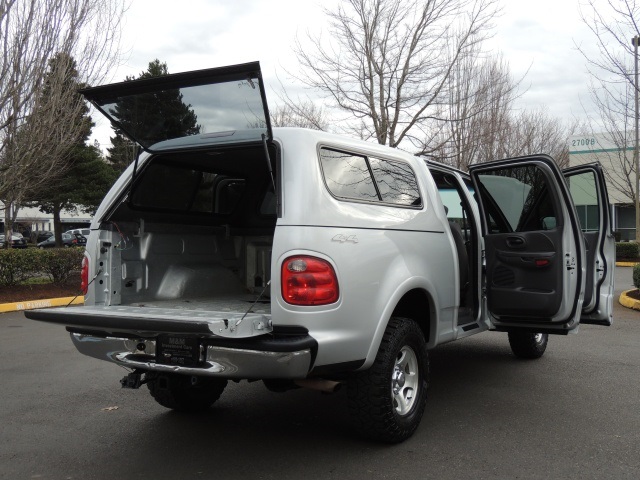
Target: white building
616, 157
33, 220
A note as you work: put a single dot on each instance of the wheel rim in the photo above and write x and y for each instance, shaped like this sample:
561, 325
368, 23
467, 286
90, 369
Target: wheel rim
538, 338
404, 381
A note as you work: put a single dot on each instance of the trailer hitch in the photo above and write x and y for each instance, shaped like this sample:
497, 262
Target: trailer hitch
133, 380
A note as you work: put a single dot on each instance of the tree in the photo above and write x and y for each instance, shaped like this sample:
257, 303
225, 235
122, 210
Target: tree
612, 88
534, 131
481, 97
82, 188
304, 114
165, 110
387, 63
63, 192
57, 99
483, 123
34, 133
122, 152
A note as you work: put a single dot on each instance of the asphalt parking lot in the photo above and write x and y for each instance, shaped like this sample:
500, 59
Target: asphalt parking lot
575, 413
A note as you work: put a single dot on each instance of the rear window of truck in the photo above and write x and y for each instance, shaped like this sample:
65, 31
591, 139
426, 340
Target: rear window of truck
357, 177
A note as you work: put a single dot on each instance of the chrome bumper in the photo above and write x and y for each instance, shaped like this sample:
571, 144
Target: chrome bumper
219, 361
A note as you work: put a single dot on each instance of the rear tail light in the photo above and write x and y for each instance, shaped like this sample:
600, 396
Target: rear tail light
308, 281
84, 276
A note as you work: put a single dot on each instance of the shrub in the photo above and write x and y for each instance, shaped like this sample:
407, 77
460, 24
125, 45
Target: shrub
636, 276
626, 250
16, 265
59, 263
19, 265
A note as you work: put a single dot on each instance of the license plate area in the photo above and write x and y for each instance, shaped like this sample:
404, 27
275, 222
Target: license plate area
178, 350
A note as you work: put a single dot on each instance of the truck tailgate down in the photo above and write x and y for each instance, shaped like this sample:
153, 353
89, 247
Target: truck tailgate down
149, 321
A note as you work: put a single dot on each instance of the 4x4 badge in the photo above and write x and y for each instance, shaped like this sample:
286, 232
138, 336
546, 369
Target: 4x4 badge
345, 238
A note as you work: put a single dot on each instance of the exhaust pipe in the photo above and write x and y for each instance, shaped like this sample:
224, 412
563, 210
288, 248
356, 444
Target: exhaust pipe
319, 384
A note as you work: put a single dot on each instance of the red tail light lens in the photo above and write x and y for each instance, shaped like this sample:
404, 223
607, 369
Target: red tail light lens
308, 281
84, 276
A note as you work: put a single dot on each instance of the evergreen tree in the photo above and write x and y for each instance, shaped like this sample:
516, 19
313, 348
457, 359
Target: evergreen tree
151, 118
86, 176
84, 186
69, 105
122, 152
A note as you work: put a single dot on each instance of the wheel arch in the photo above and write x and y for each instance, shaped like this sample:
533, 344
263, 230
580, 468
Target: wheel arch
417, 305
412, 300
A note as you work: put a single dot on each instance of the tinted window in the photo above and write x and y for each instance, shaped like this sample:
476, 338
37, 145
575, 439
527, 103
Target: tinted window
185, 189
517, 200
347, 175
585, 198
216, 103
396, 182
352, 176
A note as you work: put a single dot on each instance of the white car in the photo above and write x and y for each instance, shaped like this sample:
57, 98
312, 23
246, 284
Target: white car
303, 258
17, 240
80, 231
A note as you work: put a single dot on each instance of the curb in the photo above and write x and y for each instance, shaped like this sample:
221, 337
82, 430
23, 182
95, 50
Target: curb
44, 303
626, 301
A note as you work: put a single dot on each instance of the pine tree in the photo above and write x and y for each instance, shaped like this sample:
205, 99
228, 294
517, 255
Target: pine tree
86, 176
151, 118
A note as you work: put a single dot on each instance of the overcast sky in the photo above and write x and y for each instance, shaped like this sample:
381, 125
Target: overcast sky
536, 38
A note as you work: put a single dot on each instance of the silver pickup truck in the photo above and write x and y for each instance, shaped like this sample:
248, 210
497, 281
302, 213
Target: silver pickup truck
230, 250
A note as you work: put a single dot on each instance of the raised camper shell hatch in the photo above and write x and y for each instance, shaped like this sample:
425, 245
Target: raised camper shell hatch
176, 117
178, 112
168, 112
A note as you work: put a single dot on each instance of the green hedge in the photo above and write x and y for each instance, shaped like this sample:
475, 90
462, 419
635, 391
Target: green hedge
636, 276
16, 266
19, 265
626, 250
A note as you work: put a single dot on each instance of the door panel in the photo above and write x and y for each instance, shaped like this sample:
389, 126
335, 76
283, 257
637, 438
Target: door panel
589, 194
522, 277
534, 251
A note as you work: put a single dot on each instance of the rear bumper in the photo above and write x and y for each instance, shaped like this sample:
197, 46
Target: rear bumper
289, 358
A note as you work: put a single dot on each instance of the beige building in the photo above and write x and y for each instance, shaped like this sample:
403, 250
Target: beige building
31, 219
616, 158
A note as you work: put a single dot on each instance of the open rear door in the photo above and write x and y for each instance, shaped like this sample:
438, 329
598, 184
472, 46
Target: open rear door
589, 193
534, 250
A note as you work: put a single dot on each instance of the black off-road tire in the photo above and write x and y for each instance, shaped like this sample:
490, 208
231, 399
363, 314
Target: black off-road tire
184, 393
528, 345
402, 363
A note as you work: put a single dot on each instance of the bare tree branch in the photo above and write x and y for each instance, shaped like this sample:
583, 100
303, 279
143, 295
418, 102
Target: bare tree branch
35, 131
613, 24
387, 63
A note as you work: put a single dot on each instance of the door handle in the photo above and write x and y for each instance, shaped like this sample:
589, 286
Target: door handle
516, 242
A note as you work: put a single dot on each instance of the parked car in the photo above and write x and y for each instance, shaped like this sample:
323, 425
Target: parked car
81, 231
308, 259
68, 240
17, 241
42, 236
